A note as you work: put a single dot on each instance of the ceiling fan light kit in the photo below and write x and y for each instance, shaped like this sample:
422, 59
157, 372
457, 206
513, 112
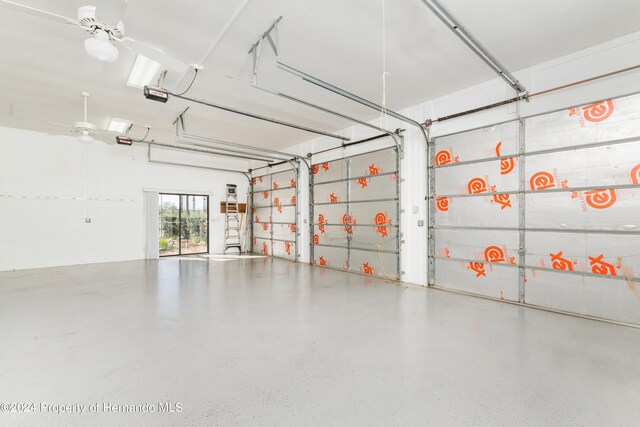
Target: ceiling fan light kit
99, 47
85, 137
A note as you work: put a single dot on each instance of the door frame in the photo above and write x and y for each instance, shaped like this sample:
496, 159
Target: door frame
160, 194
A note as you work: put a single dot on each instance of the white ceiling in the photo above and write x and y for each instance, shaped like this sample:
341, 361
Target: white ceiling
42, 67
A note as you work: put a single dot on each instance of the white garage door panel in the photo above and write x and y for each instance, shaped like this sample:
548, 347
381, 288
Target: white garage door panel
593, 296
274, 211
596, 122
487, 177
492, 280
477, 144
333, 192
595, 166
570, 235
601, 254
474, 245
489, 211
355, 212
329, 171
330, 257
330, 214
374, 263
571, 210
373, 187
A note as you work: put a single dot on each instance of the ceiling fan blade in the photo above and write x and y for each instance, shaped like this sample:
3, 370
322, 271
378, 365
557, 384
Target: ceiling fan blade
93, 65
38, 12
111, 11
60, 124
155, 54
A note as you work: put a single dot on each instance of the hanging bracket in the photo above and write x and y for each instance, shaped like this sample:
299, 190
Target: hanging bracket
267, 35
256, 48
179, 122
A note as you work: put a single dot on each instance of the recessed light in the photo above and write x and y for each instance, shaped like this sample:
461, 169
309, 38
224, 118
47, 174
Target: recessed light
143, 72
118, 125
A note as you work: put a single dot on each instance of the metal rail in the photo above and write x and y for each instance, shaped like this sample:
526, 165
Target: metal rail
328, 111
537, 230
328, 224
338, 91
538, 268
361, 141
263, 157
358, 201
225, 153
529, 96
550, 190
195, 150
271, 206
256, 116
256, 50
149, 160
275, 189
237, 145
356, 248
159, 162
473, 43
277, 223
357, 177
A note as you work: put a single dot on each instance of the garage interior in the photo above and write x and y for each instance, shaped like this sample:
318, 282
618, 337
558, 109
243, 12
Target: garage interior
421, 212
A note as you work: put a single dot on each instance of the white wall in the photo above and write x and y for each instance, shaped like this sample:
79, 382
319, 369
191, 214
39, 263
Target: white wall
610, 56
50, 184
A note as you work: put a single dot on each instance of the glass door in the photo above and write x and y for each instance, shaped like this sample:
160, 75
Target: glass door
184, 224
194, 216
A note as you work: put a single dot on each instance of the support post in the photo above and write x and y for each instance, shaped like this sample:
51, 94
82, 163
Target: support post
348, 221
522, 278
399, 233
298, 212
431, 213
311, 214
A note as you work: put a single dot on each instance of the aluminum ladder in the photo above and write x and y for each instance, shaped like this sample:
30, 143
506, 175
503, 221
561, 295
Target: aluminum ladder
232, 220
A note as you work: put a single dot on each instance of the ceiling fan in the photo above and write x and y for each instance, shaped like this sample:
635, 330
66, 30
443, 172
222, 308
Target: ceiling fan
86, 131
103, 23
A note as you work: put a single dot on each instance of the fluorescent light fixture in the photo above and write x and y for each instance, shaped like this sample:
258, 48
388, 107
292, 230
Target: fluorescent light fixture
118, 125
143, 71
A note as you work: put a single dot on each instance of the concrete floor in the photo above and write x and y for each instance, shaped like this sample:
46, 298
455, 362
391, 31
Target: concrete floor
268, 342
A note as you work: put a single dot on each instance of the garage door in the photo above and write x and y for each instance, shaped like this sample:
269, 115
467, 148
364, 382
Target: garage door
355, 213
543, 211
274, 211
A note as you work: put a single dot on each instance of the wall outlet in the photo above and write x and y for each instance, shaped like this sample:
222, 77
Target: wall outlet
420, 223
87, 220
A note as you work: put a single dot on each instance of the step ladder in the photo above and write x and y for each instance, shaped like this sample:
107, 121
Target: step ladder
232, 220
